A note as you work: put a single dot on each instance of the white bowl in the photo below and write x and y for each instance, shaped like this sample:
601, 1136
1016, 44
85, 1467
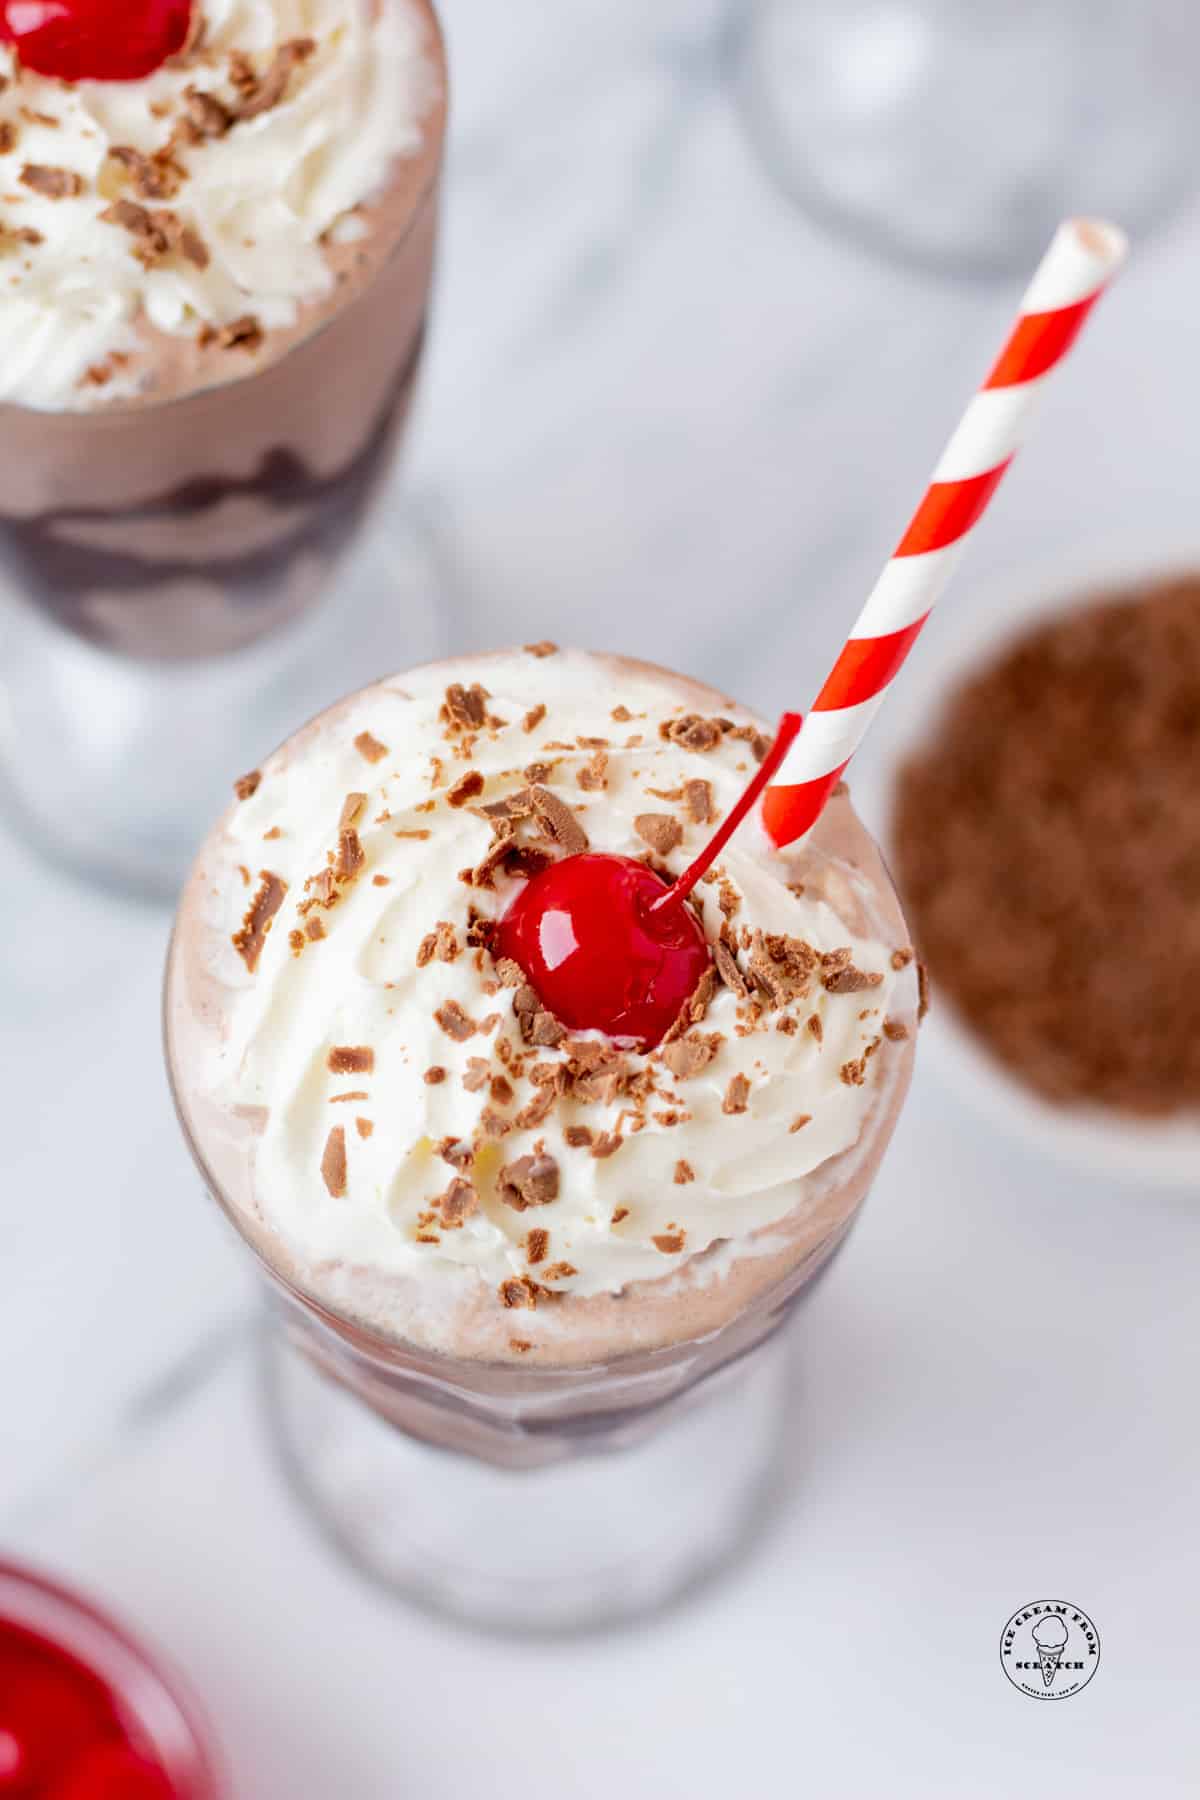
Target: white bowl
980, 621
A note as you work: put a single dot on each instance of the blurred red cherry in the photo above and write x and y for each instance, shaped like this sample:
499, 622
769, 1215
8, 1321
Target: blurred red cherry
95, 40
113, 1772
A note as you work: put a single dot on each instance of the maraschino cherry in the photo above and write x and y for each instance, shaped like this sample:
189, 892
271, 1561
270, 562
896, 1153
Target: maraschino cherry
607, 944
95, 40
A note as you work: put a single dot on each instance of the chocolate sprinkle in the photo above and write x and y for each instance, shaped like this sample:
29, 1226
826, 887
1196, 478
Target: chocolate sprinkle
661, 831
530, 1181
249, 940
333, 1162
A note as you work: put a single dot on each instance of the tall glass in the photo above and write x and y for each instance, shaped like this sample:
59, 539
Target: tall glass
636, 1457
161, 562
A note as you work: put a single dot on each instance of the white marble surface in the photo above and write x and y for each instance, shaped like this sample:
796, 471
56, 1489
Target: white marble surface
663, 412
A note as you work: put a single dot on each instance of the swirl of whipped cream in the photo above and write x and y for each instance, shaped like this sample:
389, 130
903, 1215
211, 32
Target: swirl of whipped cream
260, 191
371, 1079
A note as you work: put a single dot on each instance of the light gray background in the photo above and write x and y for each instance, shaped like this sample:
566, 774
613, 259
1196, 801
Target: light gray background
664, 412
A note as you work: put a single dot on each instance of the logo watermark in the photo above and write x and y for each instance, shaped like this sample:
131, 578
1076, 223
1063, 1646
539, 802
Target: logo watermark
1050, 1649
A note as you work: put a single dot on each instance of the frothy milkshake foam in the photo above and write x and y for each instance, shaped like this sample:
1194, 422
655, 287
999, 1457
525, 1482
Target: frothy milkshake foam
162, 234
394, 1121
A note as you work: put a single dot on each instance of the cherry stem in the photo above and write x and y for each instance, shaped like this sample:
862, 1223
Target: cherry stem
789, 726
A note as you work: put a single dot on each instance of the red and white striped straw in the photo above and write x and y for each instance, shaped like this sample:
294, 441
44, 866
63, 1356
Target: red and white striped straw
1078, 266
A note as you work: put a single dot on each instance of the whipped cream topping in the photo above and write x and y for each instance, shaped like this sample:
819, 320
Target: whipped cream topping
244, 197
406, 1108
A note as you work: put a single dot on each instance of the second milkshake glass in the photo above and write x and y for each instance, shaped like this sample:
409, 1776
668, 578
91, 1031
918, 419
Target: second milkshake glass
164, 561
550, 1498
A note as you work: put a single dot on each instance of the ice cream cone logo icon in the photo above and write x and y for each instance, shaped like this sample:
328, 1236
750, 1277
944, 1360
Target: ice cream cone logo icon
1050, 1635
1050, 1649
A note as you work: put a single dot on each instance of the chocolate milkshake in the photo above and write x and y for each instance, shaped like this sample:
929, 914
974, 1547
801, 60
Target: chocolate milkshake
213, 289
518, 1240
405, 1135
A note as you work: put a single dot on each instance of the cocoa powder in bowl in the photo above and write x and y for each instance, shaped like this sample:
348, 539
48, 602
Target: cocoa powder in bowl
1046, 845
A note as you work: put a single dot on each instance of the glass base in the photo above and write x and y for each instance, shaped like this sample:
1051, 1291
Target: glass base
596, 1541
116, 768
958, 133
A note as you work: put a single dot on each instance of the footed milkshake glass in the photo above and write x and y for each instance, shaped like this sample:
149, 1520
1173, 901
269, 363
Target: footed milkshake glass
955, 134
161, 562
631, 1462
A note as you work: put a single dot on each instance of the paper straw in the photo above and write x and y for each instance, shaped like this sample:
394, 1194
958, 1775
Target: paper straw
1080, 263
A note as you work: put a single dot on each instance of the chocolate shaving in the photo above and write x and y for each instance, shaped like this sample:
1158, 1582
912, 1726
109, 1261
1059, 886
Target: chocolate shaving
538, 1027
698, 798
692, 732
351, 858
249, 940
684, 1173
467, 787
455, 1022
660, 830
464, 709
593, 777
728, 970
54, 184
607, 1144
205, 116
442, 942
158, 234
259, 95
728, 899
895, 1030
459, 1203
434, 1075
579, 1137
246, 785
687, 1056
560, 821
244, 333
8, 135
156, 177
737, 1095
333, 1162
457, 1152
839, 975
519, 1291
535, 1112
901, 959
370, 747
353, 807
545, 648
781, 967
530, 1181
351, 1059
800, 1121
621, 1212
537, 1242
533, 717
669, 1242
559, 1271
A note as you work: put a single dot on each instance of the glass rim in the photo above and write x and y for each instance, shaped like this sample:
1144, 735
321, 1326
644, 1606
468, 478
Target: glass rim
355, 1332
